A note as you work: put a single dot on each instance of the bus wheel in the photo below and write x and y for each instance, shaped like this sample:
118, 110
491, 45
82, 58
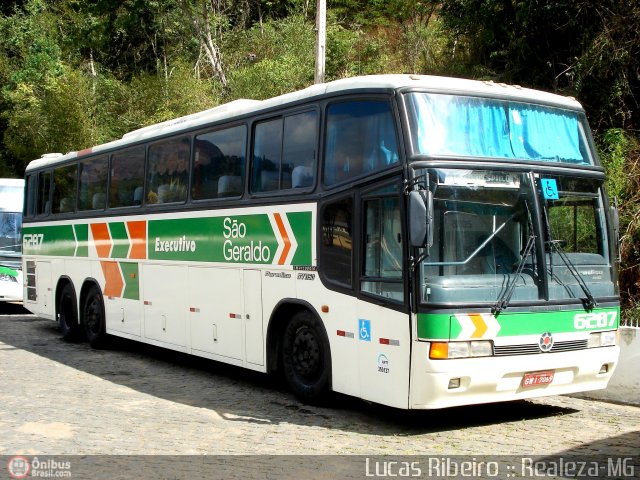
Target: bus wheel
305, 357
68, 314
94, 320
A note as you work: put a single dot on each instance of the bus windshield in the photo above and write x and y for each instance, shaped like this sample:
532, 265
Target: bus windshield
487, 245
448, 125
11, 197
10, 228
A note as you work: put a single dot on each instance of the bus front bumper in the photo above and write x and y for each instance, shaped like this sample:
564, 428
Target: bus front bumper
448, 383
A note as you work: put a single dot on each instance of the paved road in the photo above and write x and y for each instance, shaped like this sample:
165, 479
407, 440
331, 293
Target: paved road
65, 398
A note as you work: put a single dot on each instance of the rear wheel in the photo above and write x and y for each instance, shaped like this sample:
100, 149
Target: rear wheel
68, 314
306, 357
94, 319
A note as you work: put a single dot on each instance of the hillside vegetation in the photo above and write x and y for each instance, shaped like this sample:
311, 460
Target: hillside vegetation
75, 73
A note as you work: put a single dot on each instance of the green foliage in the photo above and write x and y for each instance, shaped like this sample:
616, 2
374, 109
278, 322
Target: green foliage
613, 149
620, 154
271, 59
55, 116
152, 98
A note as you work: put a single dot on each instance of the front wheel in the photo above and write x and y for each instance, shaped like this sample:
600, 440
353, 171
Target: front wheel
94, 318
306, 357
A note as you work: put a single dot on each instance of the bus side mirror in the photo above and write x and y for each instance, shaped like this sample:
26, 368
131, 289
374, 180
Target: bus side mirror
421, 218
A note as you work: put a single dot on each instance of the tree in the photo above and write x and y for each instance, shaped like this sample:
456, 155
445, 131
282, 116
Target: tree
208, 20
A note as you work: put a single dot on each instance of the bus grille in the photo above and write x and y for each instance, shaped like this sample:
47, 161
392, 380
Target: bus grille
533, 348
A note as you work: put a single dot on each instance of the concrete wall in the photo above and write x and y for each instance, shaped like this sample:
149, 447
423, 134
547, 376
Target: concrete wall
625, 382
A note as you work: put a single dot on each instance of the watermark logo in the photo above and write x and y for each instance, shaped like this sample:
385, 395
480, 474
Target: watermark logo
22, 467
18, 467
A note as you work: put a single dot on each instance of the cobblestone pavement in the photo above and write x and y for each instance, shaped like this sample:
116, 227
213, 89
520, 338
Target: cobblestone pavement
61, 398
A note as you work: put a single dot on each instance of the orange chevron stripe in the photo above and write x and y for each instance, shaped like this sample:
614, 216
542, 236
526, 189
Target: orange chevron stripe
285, 237
138, 239
481, 326
113, 279
101, 239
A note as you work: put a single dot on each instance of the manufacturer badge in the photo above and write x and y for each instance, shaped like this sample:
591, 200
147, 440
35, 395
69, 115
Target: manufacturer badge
546, 342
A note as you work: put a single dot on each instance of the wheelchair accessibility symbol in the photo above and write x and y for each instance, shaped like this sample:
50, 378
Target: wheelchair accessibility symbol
364, 330
549, 189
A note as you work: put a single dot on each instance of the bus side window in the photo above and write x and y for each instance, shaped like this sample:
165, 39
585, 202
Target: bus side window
127, 175
360, 139
168, 172
92, 183
284, 153
218, 163
64, 189
267, 156
44, 190
31, 190
299, 150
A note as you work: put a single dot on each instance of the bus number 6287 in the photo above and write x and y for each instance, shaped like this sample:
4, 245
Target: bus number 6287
588, 321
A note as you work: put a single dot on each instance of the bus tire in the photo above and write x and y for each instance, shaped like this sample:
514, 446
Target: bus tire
68, 314
306, 357
94, 318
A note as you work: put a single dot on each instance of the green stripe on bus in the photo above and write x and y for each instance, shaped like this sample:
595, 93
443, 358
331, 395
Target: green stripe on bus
301, 226
8, 271
252, 239
450, 327
433, 326
57, 240
82, 236
230, 239
120, 240
131, 280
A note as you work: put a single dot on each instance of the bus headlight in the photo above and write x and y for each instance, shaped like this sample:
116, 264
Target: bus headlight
603, 339
445, 350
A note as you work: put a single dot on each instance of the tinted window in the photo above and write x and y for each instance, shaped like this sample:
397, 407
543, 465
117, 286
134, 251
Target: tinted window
337, 241
218, 164
168, 173
44, 189
299, 150
92, 191
64, 189
360, 139
267, 154
127, 178
284, 153
31, 189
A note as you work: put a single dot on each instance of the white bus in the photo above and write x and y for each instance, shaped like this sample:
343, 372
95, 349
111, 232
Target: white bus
11, 199
416, 241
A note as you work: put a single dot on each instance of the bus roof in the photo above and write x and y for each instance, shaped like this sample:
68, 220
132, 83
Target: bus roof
11, 194
388, 82
11, 182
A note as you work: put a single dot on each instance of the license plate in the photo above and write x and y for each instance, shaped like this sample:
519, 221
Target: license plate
537, 378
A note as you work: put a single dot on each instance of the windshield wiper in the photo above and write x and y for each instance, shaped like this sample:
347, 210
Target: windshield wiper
590, 302
507, 293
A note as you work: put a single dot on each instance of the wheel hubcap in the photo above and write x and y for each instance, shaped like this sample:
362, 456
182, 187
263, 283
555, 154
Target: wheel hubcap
306, 353
92, 317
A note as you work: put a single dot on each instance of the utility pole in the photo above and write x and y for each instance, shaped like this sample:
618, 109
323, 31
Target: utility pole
321, 39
